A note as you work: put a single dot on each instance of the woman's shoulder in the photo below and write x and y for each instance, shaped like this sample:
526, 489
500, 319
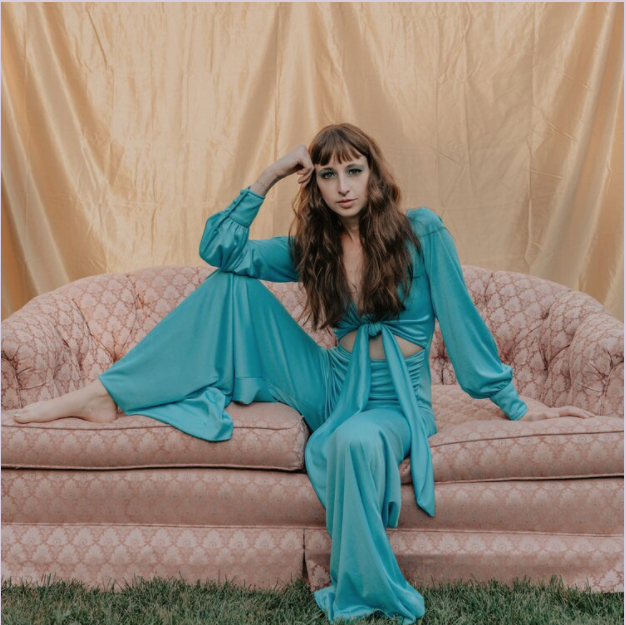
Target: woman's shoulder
424, 220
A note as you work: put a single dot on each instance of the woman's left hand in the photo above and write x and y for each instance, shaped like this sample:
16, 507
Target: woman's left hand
539, 414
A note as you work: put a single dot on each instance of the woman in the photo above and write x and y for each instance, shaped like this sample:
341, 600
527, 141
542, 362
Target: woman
379, 278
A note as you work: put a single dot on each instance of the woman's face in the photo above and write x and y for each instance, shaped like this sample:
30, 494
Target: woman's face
347, 181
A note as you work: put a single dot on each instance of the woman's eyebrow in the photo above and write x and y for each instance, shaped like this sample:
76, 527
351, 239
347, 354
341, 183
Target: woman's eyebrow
347, 165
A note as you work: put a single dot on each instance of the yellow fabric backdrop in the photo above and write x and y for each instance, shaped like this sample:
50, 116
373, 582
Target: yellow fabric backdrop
124, 126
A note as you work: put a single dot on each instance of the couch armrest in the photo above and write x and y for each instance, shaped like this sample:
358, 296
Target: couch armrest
37, 362
597, 366
582, 348
10, 386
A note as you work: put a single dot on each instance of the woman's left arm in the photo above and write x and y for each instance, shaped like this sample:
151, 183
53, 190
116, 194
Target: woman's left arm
470, 345
469, 342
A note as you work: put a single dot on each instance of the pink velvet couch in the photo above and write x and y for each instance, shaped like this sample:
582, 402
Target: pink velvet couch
104, 502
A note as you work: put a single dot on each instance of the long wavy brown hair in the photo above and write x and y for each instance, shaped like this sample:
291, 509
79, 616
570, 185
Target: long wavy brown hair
315, 236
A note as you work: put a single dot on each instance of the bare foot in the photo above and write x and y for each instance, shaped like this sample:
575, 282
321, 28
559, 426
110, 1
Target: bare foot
92, 403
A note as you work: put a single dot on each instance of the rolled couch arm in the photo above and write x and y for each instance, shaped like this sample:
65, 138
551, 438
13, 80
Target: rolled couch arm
37, 361
597, 366
583, 347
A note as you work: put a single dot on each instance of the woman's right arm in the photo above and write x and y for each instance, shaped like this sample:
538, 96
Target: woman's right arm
225, 242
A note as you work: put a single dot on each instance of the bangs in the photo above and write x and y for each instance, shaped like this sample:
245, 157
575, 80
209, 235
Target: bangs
335, 145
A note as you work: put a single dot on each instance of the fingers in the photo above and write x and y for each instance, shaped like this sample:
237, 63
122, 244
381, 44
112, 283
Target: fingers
305, 175
560, 411
574, 411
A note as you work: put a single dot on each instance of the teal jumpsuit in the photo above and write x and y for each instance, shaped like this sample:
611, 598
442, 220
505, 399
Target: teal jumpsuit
233, 340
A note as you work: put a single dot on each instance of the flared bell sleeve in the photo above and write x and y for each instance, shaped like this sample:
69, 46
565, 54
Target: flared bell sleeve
469, 342
226, 244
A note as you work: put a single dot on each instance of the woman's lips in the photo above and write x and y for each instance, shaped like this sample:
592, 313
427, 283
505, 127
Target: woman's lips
346, 203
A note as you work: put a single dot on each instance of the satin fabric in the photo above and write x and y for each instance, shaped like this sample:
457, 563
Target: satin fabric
438, 290
362, 487
232, 340
353, 398
122, 122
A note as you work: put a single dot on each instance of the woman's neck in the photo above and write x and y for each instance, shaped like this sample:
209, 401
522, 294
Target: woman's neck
351, 236
350, 228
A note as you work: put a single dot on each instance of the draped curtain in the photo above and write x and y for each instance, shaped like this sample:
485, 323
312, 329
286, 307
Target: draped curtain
125, 126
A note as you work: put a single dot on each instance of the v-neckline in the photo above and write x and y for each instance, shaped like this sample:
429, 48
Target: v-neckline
353, 306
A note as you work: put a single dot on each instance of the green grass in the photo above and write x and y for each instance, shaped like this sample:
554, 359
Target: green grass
176, 602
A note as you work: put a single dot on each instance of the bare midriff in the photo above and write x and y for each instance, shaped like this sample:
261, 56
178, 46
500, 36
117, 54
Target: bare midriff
376, 345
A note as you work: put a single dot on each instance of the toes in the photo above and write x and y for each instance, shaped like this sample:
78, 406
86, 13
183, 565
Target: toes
21, 416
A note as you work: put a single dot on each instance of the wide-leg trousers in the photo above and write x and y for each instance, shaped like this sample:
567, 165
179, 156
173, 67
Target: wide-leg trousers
232, 340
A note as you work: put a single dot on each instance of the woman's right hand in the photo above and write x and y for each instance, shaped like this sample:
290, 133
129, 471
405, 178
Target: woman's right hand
298, 160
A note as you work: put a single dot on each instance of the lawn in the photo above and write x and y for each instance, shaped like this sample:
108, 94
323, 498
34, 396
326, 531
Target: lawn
174, 601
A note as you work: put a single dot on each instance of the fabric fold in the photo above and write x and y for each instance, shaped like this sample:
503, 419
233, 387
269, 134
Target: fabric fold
353, 399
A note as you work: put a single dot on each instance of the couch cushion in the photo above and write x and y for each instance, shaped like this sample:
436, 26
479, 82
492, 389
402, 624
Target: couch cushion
265, 436
476, 442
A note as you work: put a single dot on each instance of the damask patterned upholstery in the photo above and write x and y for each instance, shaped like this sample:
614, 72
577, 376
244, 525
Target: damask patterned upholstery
103, 502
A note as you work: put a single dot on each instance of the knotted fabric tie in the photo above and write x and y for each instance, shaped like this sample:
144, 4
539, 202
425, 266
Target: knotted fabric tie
373, 328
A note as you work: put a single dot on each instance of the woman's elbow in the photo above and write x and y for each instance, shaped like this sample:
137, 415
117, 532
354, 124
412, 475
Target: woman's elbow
205, 252
210, 251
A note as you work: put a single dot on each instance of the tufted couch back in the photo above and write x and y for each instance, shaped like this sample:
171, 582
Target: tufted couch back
564, 347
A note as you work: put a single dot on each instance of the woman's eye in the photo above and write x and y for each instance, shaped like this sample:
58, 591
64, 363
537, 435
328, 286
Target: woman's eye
354, 169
